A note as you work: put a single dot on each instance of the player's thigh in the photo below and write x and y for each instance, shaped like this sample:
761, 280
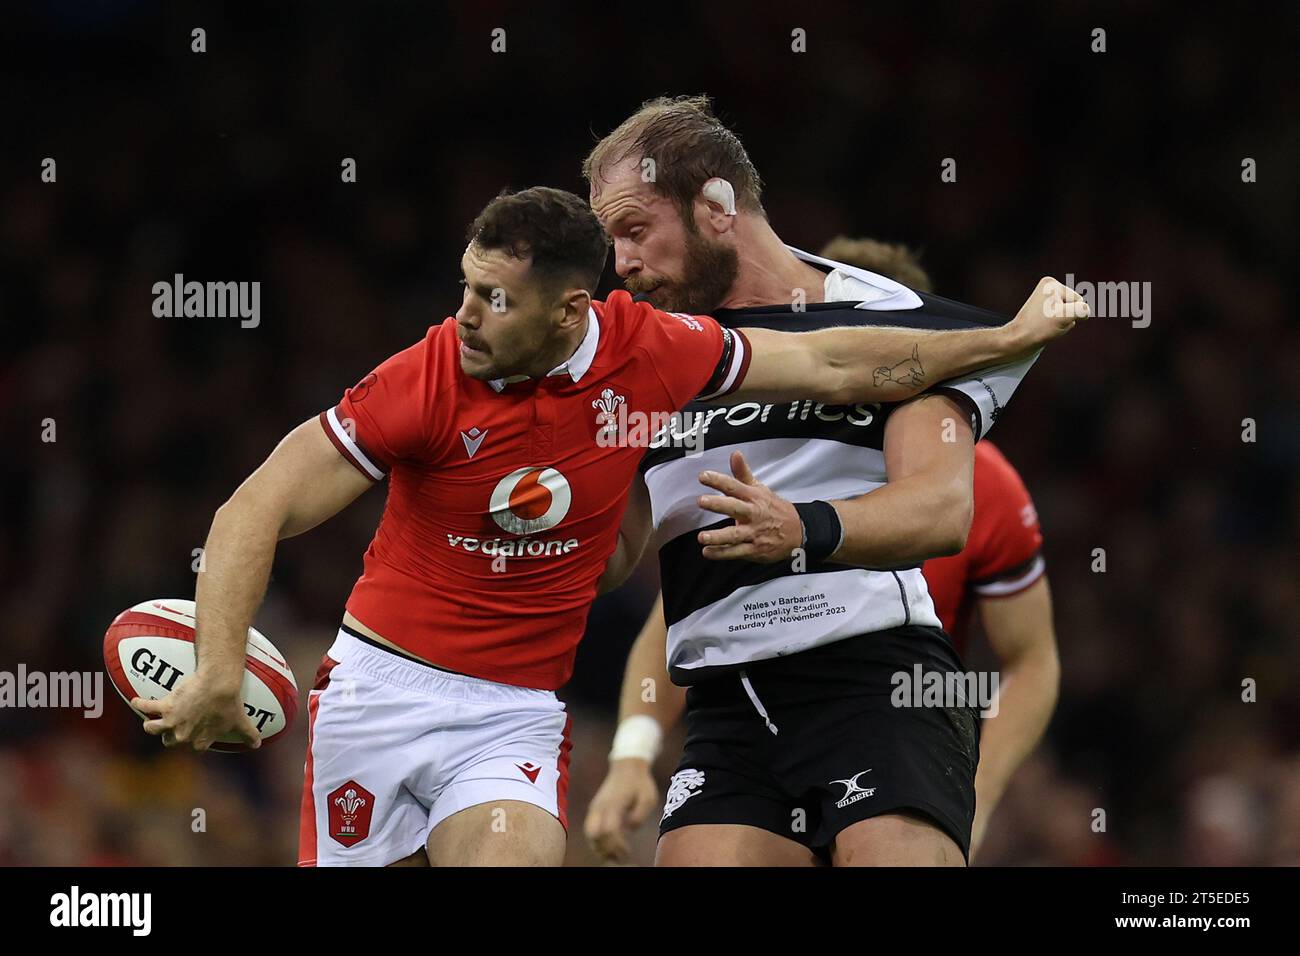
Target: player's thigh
357, 808
500, 796
892, 785
729, 844
895, 839
498, 833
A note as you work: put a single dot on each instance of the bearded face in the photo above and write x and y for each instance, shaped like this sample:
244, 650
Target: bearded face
660, 250
707, 271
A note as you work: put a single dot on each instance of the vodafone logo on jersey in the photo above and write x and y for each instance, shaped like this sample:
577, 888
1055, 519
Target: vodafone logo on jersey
524, 502
529, 500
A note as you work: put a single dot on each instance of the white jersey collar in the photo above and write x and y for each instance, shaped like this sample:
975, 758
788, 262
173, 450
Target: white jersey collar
576, 365
872, 291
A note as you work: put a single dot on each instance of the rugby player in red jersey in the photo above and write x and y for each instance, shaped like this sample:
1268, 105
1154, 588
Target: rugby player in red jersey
1000, 570
435, 736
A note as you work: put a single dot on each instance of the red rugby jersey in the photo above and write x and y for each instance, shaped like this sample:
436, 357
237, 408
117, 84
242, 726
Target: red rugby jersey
503, 507
1003, 553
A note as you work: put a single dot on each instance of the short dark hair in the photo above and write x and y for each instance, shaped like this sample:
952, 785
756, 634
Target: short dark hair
555, 228
689, 146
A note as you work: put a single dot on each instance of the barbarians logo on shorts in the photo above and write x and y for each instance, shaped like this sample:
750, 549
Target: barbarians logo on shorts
684, 785
852, 792
529, 500
350, 809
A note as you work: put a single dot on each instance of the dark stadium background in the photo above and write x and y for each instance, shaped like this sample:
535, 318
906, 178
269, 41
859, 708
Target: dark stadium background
1115, 166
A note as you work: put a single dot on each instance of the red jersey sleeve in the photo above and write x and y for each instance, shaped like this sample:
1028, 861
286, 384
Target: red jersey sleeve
1007, 553
387, 416
695, 356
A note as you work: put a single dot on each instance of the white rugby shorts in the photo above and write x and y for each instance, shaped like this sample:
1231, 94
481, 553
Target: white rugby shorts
394, 747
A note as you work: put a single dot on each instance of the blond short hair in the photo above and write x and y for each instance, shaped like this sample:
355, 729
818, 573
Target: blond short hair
689, 146
891, 259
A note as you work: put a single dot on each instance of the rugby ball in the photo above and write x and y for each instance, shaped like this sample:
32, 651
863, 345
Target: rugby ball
150, 647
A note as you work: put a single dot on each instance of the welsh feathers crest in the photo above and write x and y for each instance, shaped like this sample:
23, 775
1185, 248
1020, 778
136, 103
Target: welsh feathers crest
607, 410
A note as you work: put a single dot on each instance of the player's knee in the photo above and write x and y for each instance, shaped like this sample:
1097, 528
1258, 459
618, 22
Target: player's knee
906, 838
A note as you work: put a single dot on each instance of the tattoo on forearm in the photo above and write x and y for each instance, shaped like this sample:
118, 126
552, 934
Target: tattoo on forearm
907, 372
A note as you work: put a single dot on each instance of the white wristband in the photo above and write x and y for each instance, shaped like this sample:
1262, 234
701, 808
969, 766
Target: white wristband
637, 736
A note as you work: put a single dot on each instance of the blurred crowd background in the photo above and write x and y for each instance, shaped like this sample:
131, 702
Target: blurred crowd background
1121, 166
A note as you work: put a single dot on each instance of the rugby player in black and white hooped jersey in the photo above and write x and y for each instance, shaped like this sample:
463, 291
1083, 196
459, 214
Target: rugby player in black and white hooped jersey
1000, 576
794, 753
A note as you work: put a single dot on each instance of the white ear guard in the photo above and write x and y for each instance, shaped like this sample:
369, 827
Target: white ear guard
720, 191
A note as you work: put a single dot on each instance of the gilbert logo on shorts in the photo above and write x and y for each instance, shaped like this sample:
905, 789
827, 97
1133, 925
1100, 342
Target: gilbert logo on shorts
529, 500
852, 791
350, 808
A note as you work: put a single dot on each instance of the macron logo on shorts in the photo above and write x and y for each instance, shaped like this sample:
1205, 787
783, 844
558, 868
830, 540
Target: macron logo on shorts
529, 770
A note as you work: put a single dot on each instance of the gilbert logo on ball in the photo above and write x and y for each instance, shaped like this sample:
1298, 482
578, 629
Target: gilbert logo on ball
149, 648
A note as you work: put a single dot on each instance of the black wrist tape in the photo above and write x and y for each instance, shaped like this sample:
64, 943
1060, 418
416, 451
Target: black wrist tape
822, 532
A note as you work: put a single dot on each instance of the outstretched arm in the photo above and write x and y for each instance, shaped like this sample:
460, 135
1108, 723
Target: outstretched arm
302, 483
882, 364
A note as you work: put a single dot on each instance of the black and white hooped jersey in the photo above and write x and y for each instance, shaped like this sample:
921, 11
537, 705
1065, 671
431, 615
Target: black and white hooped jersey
724, 614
